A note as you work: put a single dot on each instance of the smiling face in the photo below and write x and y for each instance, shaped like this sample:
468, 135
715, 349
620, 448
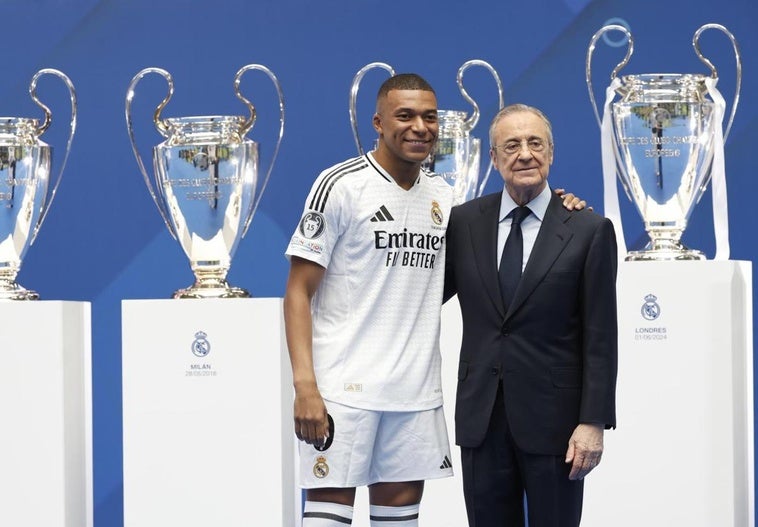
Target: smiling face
406, 121
525, 170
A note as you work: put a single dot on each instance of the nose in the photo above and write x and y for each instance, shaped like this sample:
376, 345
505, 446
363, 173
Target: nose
524, 153
418, 124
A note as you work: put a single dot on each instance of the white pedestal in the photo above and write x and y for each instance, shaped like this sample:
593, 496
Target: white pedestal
46, 409
207, 416
683, 450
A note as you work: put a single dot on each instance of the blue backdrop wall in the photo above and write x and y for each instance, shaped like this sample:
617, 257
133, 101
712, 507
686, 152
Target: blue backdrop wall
104, 240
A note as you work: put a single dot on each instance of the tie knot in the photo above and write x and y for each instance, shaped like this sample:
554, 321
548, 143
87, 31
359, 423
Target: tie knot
518, 214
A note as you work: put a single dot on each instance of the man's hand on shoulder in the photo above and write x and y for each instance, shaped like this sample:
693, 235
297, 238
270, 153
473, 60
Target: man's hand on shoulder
570, 201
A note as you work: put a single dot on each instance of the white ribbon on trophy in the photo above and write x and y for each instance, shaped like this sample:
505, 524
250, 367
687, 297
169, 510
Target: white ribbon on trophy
611, 206
718, 177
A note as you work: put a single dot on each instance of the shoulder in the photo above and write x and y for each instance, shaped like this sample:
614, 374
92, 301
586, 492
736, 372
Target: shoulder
476, 206
335, 181
584, 218
589, 219
346, 168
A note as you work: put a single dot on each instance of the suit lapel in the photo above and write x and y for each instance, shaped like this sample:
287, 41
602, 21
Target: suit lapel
483, 232
551, 240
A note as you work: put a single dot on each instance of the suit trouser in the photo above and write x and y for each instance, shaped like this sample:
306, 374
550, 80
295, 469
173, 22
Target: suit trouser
497, 474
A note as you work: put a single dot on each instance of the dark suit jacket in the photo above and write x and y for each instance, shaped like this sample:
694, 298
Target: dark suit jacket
556, 347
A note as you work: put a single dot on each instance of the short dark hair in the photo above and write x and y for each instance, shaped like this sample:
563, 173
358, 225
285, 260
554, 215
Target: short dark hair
404, 81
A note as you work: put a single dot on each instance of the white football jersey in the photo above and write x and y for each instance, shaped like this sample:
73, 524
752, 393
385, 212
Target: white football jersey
376, 314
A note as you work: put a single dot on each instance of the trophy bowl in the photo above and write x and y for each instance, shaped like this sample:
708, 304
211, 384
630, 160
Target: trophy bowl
206, 184
665, 136
26, 186
663, 139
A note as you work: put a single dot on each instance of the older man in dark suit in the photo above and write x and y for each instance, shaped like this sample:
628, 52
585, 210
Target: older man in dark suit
537, 373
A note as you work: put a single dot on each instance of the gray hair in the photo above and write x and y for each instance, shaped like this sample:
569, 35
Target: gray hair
518, 108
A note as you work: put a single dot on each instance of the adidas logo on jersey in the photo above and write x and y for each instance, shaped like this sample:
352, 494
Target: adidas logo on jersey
382, 215
446, 463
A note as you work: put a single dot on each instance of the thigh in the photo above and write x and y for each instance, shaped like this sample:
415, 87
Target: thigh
492, 483
411, 446
347, 461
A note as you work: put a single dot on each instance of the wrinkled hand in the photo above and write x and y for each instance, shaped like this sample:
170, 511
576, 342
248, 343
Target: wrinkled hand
311, 422
570, 201
585, 449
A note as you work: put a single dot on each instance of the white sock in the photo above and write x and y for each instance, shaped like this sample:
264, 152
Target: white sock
326, 514
406, 516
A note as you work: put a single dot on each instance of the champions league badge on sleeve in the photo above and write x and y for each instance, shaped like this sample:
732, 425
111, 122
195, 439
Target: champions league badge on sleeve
650, 311
311, 227
200, 347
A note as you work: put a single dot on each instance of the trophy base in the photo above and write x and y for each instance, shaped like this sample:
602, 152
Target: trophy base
663, 252
211, 289
10, 290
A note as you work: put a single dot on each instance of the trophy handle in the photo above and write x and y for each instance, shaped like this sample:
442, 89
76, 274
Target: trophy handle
354, 96
159, 124
714, 74
619, 66
248, 125
51, 189
472, 121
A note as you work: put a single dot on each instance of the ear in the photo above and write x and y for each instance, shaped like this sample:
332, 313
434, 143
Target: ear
550, 156
377, 122
493, 156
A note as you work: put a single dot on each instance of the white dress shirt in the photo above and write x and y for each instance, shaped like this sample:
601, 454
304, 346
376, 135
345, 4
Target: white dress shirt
530, 227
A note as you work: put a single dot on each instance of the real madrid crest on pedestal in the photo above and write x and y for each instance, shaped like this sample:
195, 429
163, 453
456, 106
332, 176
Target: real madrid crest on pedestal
200, 346
650, 309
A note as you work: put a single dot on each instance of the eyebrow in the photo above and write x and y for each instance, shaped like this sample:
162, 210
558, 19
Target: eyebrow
411, 110
517, 140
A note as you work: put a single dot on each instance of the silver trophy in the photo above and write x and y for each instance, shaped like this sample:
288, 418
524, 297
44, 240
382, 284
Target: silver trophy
664, 140
206, 186
457, 154
26, 186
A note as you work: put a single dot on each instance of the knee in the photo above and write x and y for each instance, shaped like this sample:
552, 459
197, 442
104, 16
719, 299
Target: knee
396, 494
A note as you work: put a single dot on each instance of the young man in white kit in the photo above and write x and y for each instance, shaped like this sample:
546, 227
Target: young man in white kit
362, 316
362, 320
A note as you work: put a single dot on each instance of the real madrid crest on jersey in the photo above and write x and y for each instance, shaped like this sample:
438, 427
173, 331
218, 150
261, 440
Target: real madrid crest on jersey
650, 309
320, 469
437, 217
200, 346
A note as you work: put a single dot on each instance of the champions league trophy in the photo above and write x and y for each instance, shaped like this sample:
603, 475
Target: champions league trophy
26, 190
456, 156
206, 183
664, 140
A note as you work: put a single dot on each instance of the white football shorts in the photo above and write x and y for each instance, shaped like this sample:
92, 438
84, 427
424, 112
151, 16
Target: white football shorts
368, 447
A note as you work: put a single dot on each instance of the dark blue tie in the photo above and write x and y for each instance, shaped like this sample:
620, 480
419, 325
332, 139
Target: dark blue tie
513, 256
